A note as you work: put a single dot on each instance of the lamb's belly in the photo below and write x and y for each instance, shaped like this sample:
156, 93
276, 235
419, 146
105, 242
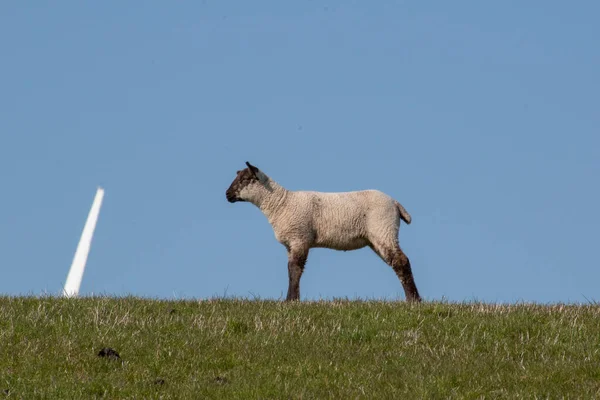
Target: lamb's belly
339, 243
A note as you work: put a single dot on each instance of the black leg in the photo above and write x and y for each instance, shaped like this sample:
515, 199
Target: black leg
296, 262
401, 265
395, 258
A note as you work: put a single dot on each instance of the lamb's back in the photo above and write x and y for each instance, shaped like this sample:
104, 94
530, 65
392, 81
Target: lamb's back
341, 220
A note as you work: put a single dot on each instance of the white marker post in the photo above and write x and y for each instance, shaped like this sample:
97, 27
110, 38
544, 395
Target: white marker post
75, 275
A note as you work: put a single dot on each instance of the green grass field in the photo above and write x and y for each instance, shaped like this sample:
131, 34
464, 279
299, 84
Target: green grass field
223, 349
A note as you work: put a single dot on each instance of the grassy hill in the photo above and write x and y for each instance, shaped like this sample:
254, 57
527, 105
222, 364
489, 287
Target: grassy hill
265, 349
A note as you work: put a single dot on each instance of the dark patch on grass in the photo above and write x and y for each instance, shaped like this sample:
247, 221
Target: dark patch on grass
6, 392
221, 380
109, 353
159, 382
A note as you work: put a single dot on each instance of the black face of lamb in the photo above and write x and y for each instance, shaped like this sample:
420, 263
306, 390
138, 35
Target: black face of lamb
244, 178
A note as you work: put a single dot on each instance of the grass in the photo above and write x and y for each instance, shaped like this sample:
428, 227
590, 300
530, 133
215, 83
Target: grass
242, 349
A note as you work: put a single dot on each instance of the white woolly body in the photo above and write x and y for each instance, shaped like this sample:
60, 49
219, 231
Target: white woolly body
340, 221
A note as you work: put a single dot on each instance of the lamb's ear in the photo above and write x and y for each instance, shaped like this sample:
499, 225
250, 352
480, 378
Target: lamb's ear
253, 169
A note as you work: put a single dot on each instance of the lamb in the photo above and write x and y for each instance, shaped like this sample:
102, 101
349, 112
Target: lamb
302, 220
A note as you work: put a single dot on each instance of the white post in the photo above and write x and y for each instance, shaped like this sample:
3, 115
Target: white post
75, 275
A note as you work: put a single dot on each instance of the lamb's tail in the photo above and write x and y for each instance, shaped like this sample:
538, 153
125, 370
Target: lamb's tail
403, 213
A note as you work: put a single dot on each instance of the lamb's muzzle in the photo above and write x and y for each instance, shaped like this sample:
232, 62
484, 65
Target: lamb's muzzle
342, 221
231, 197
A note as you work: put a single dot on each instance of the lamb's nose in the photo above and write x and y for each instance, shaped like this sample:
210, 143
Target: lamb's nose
230, 197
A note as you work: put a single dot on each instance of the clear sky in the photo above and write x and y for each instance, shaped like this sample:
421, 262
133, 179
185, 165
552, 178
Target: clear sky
481, 118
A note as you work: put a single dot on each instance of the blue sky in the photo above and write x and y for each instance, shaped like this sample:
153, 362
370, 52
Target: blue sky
481, 118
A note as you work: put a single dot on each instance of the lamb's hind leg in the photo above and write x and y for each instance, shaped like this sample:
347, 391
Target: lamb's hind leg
296, 261
400, 263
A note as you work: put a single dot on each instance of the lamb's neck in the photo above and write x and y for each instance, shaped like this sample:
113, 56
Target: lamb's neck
272, 200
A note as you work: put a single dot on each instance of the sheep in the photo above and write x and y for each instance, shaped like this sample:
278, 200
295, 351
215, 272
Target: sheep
302, 220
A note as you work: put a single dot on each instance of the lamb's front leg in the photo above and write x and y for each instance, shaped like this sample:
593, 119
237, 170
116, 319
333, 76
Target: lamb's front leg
296, 261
